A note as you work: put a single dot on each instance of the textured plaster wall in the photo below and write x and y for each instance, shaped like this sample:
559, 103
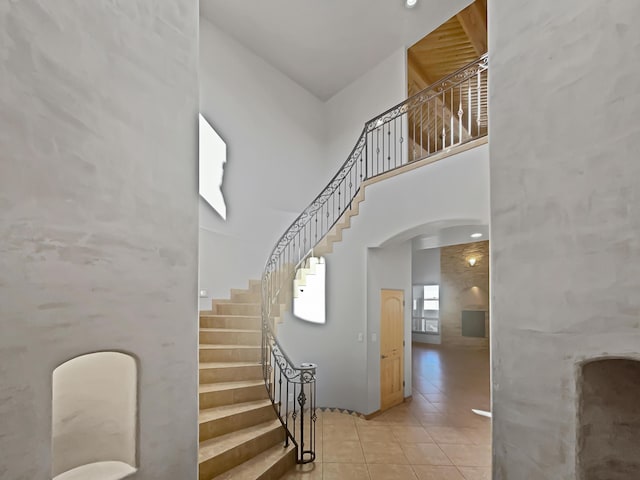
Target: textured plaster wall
345, 113
98, 217
463, 287
565, 217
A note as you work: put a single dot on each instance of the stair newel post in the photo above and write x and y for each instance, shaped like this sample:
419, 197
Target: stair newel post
307, 397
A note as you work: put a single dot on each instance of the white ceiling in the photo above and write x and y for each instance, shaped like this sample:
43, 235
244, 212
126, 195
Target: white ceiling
324, 45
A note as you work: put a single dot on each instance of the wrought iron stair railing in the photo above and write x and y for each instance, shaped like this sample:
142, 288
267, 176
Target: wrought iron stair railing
447, 114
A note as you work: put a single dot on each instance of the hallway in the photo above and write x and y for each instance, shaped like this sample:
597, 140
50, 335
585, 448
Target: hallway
435, 436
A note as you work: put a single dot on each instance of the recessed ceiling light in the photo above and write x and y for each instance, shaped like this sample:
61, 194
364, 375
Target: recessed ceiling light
476, 235
410, 3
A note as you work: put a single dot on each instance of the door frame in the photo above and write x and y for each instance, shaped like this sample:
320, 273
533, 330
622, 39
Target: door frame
402, 355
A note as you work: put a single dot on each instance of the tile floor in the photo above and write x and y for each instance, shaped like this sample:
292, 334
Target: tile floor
435, 436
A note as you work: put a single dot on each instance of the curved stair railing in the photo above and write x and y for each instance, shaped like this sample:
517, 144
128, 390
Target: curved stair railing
447, 114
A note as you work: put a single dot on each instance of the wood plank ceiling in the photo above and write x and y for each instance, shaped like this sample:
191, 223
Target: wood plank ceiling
457, 42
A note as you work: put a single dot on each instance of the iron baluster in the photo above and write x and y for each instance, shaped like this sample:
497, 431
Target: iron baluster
451, 117
469, 110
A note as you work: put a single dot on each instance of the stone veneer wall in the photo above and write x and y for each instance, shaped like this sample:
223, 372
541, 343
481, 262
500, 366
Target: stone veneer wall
463, 287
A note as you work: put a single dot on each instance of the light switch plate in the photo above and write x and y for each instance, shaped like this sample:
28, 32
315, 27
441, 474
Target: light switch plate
204, 293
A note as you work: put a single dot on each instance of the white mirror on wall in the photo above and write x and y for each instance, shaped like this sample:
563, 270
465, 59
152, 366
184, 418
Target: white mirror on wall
94, 410
309, 287
212, 158
425, 315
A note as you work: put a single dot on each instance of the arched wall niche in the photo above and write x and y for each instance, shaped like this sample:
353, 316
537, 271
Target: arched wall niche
94, 417
609, 419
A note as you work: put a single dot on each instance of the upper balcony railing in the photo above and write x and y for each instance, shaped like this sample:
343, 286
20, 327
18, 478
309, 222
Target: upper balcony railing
448, 113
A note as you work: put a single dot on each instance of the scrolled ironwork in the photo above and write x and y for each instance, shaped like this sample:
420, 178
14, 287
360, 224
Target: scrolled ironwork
450, 112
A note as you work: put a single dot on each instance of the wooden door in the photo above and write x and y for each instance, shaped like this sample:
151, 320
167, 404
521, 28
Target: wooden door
391, 348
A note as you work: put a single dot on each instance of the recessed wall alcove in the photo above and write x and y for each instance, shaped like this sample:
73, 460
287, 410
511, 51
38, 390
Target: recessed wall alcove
94, 405
609, 420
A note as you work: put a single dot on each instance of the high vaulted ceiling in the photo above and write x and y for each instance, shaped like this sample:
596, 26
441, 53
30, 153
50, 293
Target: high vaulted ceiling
324, 45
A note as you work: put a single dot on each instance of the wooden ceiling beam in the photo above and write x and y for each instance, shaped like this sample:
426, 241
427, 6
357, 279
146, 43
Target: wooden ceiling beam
423, 80
473, 20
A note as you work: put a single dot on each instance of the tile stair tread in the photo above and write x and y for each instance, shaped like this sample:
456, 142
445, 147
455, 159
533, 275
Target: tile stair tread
215, 446
234, 330
219, 386
222, 411
222, 346
207, 365
253, 468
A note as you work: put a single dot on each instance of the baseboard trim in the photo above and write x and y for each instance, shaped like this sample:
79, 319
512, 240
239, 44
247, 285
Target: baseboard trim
372, 415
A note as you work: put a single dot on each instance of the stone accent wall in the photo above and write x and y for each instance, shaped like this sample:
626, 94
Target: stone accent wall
463, 287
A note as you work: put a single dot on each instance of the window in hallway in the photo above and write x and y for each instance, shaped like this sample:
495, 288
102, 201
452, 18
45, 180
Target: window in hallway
309, 288
426, 309
212, 158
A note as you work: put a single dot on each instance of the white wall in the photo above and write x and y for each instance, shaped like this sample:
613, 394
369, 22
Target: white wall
387, 268
275, 135
94, 411
98, 217
347, 111
454, 188
425, 270
565, 207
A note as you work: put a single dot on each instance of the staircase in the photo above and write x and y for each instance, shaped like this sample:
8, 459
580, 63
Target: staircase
249, 388
241, 437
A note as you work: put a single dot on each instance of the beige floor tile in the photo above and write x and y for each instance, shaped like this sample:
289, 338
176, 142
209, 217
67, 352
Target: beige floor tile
384, 452
436, 397
468, 455
340, 432
399, 443
345, 471
309, 471
433, 419
411, 434
334, 418
421, 407
430, 472
480, 436
476, 473
391, 472
466, 418
400, 417
342, 452
424, 454
451, 435
375, 433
